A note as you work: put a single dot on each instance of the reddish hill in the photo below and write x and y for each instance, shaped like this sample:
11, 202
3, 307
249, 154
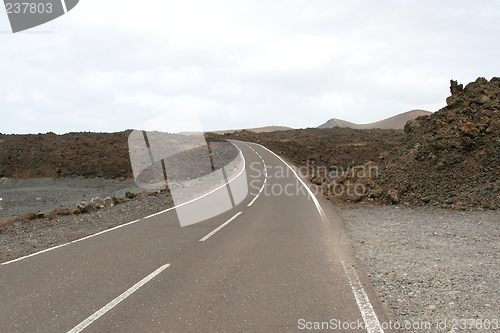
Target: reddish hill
395, 122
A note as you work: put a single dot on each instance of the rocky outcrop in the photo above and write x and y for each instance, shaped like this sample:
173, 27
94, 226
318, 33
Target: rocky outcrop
451, 158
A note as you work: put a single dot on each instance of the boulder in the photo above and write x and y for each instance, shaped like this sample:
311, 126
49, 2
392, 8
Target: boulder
98, 202
109, 202
393, 196
469, 129
86, 207
130, 195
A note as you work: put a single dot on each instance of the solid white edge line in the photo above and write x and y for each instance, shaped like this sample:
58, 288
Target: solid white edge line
128, 223
219, 227
366, 309
372, 323
80, 327
311, 194
204, 195
75, 241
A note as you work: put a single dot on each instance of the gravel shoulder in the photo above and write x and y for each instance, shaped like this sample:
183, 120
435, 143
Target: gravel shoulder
431, 265
46, 194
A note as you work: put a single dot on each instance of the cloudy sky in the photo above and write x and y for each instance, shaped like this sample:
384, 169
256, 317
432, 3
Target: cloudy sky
112, 65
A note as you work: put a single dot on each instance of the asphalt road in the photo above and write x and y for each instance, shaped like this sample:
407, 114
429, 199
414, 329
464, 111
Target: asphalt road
277, 262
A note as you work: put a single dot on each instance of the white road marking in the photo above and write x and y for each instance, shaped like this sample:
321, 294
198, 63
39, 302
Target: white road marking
128, 223
219, 227
311, 194
251, 202
265, 177
80, 327
75, 241
364, 305
369, 316
204, 195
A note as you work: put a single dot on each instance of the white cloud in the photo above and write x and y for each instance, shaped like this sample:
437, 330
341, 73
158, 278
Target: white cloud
113, 65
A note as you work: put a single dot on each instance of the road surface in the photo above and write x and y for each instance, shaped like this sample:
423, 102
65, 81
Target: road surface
277, 262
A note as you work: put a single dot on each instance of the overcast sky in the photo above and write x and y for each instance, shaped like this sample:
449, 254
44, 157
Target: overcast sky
112, 65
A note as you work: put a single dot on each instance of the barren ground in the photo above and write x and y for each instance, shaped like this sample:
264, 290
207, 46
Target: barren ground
427, 264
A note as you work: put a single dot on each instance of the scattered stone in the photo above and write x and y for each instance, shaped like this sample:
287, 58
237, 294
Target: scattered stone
317, 180
98, 202
109, 202
130, 195
7, 221
469, 129
86, 207
393, 196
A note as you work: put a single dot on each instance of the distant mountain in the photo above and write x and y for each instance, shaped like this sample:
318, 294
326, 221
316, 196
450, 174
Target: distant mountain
395, 122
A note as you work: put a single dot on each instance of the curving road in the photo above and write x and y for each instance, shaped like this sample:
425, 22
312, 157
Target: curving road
276, 262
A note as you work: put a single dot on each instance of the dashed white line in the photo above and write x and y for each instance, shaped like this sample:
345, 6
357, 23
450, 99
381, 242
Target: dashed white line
220, 227
80, 327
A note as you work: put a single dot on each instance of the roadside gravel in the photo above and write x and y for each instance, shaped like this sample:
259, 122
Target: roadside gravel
45, 194
431, 265
36, 235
